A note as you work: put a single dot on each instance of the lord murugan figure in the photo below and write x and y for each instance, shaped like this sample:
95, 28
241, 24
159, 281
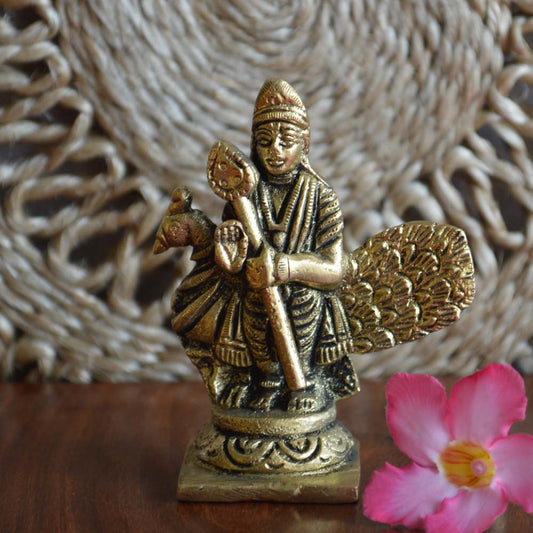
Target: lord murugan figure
274, 306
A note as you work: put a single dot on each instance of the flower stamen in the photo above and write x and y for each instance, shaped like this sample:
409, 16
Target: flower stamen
467, 464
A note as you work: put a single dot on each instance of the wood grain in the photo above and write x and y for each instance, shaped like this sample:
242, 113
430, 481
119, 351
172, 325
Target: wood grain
106, 457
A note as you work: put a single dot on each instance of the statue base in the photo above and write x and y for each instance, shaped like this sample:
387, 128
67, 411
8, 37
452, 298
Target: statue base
242, 455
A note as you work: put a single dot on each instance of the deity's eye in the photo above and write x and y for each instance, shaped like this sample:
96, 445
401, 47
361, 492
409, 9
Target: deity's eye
288, 141
263, 140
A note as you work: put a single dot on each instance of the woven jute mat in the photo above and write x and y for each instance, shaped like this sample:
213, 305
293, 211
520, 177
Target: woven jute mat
420, 109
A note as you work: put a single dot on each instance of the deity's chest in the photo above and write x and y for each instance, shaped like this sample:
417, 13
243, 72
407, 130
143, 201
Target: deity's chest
282, 211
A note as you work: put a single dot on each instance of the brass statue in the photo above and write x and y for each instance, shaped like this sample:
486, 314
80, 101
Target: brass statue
274, 306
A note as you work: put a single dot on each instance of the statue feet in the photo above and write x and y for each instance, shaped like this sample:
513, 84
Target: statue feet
267, 395
234, 396
235, 390
307, 400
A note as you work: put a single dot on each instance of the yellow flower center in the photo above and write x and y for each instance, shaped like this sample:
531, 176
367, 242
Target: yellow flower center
467, 464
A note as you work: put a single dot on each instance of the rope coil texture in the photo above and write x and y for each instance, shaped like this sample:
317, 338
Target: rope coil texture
418, 108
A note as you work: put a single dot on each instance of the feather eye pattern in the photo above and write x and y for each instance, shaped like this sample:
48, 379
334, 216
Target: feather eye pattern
406, 282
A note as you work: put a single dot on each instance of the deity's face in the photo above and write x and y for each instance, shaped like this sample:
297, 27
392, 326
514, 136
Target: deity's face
280, 146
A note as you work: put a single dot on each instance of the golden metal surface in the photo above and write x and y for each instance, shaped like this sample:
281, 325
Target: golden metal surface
406, 282
199, 484
231, 177
275, 424
273, 442
274, 305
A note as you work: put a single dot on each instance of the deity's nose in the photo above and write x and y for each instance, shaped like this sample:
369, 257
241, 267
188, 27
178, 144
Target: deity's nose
275, 147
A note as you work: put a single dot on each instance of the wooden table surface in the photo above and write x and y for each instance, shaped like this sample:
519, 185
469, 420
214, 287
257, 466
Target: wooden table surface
106, 458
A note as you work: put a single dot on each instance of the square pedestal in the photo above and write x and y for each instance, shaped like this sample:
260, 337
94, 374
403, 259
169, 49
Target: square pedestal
204, 485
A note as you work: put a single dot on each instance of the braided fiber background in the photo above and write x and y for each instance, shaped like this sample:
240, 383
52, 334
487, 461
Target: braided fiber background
418, 108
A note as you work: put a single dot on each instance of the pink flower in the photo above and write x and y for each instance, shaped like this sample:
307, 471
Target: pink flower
466, 468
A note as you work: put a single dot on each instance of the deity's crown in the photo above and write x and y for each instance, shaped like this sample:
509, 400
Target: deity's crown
278, 101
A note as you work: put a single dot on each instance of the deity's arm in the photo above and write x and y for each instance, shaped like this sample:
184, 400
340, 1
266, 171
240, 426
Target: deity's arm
322, 270
324, 266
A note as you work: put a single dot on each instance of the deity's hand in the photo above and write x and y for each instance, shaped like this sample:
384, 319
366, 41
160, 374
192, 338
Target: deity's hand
231, 246
260, 270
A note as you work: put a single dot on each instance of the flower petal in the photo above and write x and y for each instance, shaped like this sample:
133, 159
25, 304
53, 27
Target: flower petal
471, 511
513, 458
416, 415
483, 406
405, 495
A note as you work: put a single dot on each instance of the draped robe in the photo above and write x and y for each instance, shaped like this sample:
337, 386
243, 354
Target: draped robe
309, 221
